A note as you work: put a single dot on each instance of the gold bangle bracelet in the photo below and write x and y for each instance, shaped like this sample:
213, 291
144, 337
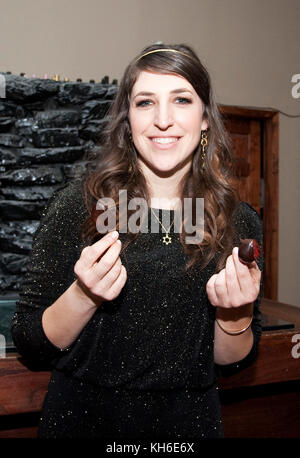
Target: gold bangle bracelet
237, 331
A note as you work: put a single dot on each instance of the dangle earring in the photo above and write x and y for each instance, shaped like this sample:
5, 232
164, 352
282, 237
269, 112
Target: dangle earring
130, 139
203, 144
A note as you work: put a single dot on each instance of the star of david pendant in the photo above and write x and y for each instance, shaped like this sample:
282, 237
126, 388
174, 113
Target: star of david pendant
167, 239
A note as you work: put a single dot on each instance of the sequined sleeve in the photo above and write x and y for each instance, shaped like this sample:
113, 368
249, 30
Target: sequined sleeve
50, 271
249, 225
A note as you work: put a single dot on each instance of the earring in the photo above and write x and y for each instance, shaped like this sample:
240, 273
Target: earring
203, 144
130, 139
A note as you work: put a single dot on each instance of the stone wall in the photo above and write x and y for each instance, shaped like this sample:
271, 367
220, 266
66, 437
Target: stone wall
47, 131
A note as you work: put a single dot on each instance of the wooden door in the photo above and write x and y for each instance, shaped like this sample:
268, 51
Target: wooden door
245, 135
254, 135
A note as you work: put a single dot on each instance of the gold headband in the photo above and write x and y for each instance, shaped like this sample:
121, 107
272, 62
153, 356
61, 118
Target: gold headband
163, 49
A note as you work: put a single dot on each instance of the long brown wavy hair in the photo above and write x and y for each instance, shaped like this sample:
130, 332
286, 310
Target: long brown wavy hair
117, 166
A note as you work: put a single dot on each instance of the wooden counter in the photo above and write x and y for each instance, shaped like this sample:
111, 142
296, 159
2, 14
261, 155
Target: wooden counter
260, 401
263, 400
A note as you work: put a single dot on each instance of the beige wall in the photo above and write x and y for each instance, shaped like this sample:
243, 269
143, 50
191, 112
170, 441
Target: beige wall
251, 48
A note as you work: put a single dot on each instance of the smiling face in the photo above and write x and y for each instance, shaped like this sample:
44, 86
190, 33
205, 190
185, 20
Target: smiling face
165, 116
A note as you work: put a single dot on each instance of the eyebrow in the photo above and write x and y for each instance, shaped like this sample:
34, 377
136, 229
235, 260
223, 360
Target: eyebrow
175, 91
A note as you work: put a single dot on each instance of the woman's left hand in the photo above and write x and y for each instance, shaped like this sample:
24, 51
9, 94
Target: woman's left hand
235, 285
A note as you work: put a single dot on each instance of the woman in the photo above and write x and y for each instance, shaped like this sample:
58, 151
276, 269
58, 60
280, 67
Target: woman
137, 324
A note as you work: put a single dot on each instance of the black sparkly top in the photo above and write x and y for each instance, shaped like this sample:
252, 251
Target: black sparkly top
158, 334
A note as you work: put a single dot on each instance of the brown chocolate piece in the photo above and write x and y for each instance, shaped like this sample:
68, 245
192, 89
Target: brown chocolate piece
249, 250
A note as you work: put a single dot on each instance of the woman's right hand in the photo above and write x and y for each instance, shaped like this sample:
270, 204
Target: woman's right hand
99, 270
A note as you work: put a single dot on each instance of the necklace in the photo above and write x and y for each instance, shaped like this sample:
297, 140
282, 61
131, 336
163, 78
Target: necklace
166, 239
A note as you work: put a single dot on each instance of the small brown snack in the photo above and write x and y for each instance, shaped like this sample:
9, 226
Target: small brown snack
249, 250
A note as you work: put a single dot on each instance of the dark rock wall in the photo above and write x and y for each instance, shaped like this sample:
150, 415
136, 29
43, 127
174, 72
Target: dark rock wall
48, 129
